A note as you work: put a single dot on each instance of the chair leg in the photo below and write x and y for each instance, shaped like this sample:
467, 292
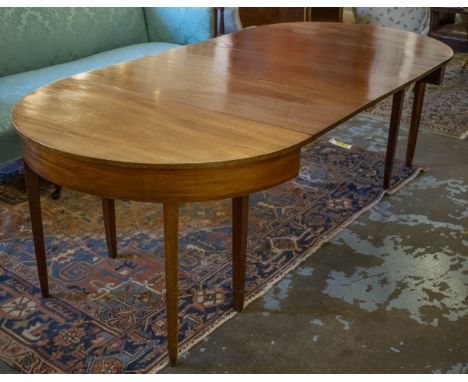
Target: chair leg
397, 107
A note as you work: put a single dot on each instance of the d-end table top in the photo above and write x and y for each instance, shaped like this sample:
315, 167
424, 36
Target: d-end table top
234, 99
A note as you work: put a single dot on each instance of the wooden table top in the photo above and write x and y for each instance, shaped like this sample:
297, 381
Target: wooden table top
240, 97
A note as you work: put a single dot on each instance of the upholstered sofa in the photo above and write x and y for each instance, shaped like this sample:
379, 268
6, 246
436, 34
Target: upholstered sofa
414, 19
41, 45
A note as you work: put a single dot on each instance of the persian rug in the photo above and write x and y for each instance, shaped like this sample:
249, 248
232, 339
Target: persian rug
108, 315
445, 108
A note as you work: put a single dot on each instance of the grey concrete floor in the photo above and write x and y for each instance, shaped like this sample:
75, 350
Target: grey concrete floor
388, 294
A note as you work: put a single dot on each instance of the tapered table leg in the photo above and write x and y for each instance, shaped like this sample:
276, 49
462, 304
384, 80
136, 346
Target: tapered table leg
240, 217
108, 212
419, 89
32, 184
171, 249
397, 106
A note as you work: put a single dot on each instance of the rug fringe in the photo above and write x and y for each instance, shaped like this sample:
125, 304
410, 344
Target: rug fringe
184, 348
397, 187
324, 239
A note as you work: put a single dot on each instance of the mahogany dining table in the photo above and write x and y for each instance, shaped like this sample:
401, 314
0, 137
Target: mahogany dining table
218, 119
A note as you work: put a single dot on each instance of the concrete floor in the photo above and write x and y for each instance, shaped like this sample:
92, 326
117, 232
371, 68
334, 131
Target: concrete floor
387, 295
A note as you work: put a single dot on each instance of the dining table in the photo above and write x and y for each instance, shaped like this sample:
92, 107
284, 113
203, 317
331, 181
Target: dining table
223, 118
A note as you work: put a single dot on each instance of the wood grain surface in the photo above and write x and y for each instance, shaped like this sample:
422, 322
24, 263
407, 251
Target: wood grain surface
222, 118
240, 97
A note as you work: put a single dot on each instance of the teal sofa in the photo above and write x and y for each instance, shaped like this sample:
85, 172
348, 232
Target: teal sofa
41, 45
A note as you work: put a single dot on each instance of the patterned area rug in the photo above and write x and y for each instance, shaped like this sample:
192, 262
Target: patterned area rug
108, 316
445, 107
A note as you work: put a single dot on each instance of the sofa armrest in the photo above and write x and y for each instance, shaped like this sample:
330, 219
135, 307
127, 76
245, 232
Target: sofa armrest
179, 25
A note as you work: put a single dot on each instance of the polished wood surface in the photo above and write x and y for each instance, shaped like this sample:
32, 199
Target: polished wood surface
334, 14
239, 97
219, 119
255, 16
146, 184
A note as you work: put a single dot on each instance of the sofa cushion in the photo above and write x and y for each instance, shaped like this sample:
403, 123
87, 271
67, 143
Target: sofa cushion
14, 87
32, 38
179, 25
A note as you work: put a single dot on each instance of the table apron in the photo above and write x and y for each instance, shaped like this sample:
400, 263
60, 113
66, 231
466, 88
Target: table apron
161, 185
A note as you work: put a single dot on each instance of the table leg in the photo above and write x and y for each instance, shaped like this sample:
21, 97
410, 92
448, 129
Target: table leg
171, 249
419, 89
108, 212
397, 106
32, 184
240, 217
